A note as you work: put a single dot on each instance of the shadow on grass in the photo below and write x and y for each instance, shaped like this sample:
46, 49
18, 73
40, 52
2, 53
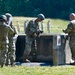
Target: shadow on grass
35, 64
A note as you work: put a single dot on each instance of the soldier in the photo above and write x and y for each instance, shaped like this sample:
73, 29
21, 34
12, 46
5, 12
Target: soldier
4, 29
32, 30
71, 34
12, 40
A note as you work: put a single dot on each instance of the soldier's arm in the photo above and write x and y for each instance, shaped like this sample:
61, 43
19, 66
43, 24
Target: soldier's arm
31, 28
15, 30
69, 28
11, 31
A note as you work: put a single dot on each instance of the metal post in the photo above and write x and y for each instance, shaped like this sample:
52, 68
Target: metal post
25, 24
48, 26
42, 24
18, 27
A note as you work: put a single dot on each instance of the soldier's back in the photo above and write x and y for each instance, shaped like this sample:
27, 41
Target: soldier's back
73, 23
4, 33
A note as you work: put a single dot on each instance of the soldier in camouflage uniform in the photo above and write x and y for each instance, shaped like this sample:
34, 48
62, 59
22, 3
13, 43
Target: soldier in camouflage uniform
4, 29
12, 40
32, 30
71, 33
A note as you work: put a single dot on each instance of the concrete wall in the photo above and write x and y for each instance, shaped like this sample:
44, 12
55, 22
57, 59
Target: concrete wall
50, 47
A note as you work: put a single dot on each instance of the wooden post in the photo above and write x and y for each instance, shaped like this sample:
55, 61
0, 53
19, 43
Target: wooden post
48, 26
25, 24
18, 26
42, 24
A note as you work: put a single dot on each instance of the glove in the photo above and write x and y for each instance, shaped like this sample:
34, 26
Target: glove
38, 32
41, 31
63, 31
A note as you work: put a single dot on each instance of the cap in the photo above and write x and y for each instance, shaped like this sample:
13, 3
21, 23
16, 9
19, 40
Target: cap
8, 14
41, 16
3, 17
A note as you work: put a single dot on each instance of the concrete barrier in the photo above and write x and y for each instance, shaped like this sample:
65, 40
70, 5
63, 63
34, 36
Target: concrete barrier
50, 47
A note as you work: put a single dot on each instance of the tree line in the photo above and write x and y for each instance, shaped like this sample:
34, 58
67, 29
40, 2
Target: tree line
31, 8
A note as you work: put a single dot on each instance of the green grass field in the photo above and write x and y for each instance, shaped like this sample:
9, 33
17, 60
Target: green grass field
56, 27
38, 70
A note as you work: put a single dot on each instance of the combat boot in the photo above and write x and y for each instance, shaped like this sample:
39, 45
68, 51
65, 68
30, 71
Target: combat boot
25, 59
72, 63
2, 65
12, 64
6, 64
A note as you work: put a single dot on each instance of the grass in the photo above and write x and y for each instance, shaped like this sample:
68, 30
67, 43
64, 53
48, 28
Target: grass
56, 25
38, 70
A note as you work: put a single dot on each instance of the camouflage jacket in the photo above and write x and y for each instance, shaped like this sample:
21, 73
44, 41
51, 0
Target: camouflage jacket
31, 28
12, 37
70, 28
4, 29
15, 32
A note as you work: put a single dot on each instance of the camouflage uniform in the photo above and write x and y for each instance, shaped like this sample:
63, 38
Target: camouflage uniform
4, 29
71, 33
12, 49
31, 29
12, 40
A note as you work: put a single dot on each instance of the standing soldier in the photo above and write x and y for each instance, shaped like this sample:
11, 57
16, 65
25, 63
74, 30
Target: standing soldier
32, 30
4, 29
71, 33
12, 40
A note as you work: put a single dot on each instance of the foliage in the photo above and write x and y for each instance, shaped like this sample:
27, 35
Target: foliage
50, 8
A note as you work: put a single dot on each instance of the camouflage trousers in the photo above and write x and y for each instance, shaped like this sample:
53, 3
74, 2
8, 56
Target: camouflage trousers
11, 54
28, 45
3, 53
72, 47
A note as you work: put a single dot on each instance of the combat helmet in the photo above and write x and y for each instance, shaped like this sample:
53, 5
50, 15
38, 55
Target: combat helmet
8, 14
41, 16
3, 17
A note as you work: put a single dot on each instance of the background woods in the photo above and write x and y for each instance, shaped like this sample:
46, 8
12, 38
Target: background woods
30, 8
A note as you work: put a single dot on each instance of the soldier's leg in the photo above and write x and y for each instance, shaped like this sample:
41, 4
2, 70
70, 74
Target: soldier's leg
72, 46
7, 59
4, 54
0, 57
26, 52
27, 48
34, 49
73, 52
12, 55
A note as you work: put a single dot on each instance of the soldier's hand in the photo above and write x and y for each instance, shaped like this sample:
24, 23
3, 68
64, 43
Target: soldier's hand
41, 31
63, 31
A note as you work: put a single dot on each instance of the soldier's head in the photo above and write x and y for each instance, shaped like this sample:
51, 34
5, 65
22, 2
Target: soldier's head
40, 17
3, 18
8, 15
72, 16
9, 18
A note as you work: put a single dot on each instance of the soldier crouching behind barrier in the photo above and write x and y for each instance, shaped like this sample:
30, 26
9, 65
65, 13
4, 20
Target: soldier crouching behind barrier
12, 40
4, 29
32, 30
